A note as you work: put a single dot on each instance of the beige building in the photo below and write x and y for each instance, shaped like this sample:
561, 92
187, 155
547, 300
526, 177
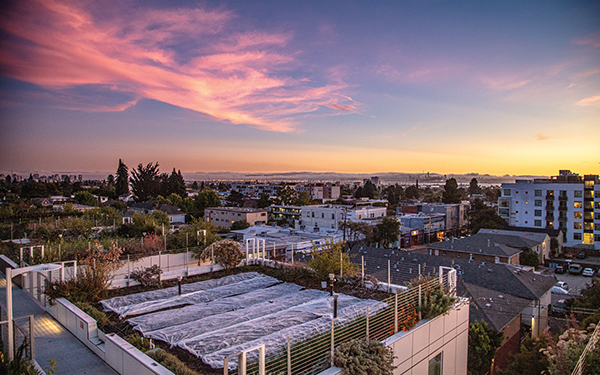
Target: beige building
225, 216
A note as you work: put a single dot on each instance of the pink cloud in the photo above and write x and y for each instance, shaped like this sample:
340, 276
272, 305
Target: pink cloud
592, 40
542, 137
229, 75
592, 101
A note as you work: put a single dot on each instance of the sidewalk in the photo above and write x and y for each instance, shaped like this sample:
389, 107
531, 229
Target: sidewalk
52, 340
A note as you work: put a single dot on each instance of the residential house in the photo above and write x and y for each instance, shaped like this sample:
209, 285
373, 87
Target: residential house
224, 217
176, 216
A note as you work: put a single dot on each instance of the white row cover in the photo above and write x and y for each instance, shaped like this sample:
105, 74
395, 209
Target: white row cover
115, 304
178, 333
162, 319
226, 316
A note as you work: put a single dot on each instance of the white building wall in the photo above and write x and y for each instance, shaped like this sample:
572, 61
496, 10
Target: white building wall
446, 334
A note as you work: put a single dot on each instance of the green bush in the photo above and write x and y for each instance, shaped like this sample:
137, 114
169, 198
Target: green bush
170, 362
96, 314
435, 303
140, 342
361, 356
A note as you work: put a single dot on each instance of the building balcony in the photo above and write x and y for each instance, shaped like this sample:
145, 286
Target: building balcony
549, 197
549, 217
562, 219
562, 208
563, 199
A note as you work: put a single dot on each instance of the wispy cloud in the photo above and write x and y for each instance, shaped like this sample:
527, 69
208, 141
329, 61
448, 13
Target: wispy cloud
230, 75
592, 101
592, 40
542, 137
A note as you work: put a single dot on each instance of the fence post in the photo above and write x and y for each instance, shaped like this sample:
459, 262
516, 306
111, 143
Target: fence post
362, 262
367, 323
261, 360
128, 272
31, 338
389, 276
212, 259
225, 366
187, 263
242, 363
396, 313
289, 358
159, 263
420, 302
332, 342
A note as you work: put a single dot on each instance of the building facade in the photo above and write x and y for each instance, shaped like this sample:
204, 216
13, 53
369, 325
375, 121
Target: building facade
567, 202
224, 217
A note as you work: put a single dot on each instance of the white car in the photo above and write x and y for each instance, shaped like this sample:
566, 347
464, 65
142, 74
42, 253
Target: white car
563, 284
559, 290
588, 272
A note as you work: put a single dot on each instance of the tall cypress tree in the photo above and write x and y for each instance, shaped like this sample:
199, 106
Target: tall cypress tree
122, 183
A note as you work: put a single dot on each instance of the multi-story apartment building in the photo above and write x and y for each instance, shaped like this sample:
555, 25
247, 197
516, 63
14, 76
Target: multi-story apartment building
328, 216
225, 216
455, 214
567, 202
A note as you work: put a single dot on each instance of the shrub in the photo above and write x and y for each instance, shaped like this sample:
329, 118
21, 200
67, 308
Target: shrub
360, 356
434, 303
96, 314
148, 277
20, 365
170, 362
226, 253
140, 342
327, 261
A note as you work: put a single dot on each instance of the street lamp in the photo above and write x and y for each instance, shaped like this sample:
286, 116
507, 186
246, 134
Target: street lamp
10, 273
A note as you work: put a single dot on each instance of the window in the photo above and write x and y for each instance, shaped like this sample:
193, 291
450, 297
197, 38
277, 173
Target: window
597, 194
577, 204
332, 216
435, 365
538, 223
576, 225
507, 192
577, 215
322, 215
538, 193
538, 212
577, 236
538, 203
578, 194
313, 214
562, 193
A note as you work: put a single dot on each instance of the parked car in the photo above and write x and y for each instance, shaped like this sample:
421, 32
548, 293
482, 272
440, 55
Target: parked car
559, 306
575, 269
559, 290
569, 255
559, 269
588, 272
581, 256
563, 284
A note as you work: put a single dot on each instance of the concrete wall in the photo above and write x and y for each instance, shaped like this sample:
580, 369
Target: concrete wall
447, 334
118, 353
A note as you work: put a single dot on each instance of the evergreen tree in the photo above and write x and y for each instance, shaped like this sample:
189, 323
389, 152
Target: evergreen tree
122, 182
474, 187
145, 182
451, 193
177, 184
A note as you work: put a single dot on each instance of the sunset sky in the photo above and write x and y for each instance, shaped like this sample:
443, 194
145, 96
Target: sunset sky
499, 87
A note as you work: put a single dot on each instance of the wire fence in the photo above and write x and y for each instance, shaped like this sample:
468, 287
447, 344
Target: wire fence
317, 353
22, 331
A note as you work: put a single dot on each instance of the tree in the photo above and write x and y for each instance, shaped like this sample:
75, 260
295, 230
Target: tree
207, 198
368, 190
176, 184
263, 201
483, 343
387, 231
451, 193
226, 253
236, 199
145, 182
529, 257
474, 187
86, 198
413, 192
482, 216
328, 260
122, 181
286, 195
303, 199
530, 360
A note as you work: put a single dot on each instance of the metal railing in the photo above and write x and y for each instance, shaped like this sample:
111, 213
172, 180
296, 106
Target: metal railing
22, 330
580, 366
316, 354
